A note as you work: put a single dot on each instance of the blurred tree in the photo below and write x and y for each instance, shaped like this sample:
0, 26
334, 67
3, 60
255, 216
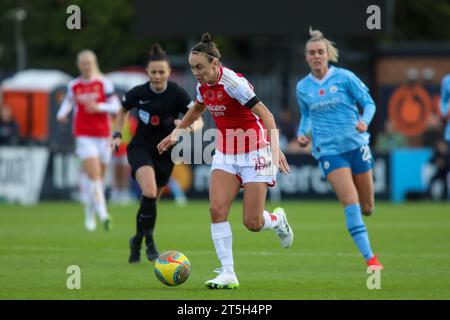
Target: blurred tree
107, 27
422, 20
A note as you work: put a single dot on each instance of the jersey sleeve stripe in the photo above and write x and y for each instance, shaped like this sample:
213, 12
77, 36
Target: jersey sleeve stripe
232, 85
231, 79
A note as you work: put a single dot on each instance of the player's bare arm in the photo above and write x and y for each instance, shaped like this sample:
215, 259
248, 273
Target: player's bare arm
189, 118
269, 122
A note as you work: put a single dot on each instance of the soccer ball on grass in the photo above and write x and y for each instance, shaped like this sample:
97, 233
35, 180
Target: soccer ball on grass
172, 268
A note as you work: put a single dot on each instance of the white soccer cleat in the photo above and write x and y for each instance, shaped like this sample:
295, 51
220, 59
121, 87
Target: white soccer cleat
224, 280
283, 230
89, 219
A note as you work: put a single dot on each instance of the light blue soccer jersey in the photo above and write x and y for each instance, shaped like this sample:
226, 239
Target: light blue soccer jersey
445, 100
329, 111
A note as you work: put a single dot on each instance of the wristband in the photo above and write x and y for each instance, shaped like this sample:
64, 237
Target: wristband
117, 134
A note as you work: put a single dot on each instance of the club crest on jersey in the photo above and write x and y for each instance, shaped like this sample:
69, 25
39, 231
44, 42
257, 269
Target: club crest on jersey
333, 89
219, 95
144, 116
97, 87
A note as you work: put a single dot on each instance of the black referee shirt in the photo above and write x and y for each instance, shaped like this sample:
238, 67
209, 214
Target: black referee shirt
156, 111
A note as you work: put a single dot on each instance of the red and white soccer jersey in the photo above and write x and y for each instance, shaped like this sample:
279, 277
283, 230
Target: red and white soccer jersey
81, 92
230, 101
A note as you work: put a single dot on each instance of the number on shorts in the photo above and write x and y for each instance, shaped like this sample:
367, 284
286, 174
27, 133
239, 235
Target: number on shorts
366, 156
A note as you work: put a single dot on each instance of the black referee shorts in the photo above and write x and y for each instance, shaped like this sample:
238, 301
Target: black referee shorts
162, 164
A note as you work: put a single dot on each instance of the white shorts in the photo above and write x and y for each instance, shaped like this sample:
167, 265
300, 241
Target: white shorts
90, 147
255, 166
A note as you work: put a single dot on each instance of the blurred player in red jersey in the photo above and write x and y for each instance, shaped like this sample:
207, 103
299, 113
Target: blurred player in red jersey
120, 192
246, 140
93, 99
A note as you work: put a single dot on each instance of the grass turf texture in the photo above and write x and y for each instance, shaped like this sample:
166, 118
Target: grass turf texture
38, 243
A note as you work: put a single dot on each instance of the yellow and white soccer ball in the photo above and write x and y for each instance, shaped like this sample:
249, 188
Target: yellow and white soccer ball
172, 268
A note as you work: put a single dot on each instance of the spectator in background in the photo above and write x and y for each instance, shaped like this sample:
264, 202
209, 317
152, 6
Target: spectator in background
445, 98
441, 162
288, 125
433, 131
9, 130
389, 139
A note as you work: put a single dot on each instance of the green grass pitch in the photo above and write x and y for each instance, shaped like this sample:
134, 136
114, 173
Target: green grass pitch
38, 243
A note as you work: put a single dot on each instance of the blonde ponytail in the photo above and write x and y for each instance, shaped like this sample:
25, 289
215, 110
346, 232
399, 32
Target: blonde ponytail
317, 35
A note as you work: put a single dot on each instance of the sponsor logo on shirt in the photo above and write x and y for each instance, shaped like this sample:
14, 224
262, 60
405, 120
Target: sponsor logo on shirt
87, 97
324, 105
217, 110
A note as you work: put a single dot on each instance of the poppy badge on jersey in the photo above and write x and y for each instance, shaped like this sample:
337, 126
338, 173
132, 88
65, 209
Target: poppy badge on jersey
210, 95
155, 121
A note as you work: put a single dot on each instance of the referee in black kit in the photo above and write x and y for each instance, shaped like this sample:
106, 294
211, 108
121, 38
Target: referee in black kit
159, 103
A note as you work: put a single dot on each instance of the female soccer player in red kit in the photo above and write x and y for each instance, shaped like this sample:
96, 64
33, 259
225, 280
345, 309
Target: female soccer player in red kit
94, 100
246, 141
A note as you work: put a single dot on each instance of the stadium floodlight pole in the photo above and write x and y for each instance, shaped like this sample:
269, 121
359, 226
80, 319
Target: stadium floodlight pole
19, 16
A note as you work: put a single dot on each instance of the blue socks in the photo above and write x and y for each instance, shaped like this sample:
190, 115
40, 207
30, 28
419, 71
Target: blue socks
357, 229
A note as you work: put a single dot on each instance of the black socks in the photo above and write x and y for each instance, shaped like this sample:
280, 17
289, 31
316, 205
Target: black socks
145, 219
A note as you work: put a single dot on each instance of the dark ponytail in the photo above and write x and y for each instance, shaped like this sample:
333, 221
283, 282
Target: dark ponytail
157, 54
206, 38
207, 47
